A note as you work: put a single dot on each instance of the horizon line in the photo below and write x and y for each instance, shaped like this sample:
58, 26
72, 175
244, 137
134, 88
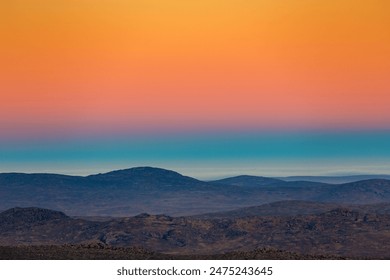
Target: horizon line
71, 174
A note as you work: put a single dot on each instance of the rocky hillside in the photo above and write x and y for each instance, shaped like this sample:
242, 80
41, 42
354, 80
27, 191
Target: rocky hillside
340, 232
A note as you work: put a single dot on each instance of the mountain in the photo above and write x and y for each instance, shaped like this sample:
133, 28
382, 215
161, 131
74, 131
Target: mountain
361, 192
279, 208
341, 232
22, 217
146, 178
142, 177
31, 214
290, 208
334, 179
248, 181
118, 193
158, 191
40, 180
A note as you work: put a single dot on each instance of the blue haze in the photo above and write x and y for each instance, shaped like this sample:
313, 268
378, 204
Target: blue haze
274, 153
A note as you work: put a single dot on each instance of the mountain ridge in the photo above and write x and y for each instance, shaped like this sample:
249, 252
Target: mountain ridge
341, 232
247, 180
159, 191
335, 179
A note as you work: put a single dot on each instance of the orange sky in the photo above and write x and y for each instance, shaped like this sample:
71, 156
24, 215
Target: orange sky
122, 64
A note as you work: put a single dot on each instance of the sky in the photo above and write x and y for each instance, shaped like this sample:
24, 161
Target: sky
206, 87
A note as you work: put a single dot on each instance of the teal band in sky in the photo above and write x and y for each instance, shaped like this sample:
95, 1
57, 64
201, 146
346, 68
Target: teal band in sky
213, 150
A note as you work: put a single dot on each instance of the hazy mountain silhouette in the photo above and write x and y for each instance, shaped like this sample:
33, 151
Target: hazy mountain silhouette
158, 191
334, 179
146, 177
118, 193
248, 181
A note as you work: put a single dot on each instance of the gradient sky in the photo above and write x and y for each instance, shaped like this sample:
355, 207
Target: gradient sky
206, 87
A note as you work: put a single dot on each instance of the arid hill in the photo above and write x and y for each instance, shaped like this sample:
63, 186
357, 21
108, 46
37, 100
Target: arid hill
339, 232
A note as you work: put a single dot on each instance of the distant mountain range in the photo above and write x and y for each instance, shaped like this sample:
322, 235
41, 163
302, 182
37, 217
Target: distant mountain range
158, 191
248, 181
163, 212
335, 179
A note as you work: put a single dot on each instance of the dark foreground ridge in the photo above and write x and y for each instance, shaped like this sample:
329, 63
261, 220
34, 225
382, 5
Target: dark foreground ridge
340, 232
100, 251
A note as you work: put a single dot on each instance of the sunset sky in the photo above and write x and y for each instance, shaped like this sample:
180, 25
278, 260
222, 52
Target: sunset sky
206, 87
